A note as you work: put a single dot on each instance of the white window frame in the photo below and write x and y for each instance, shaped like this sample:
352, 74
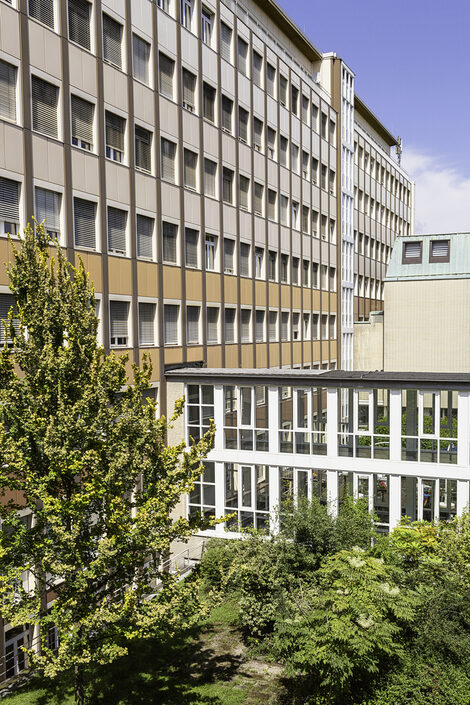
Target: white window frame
148, 39
121, 207
178, 303
146, 214
92, 49
213, 305
235, 325
194, 304
9, 59
149, 300
120, 113
19, 178
90, 99
38, 183
48, 78
130, 321
207, 25
98, 235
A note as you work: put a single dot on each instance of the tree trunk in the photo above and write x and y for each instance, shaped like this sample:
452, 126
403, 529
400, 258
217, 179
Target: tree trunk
79, 692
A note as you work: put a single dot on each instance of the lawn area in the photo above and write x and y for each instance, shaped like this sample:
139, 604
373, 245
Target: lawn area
210, 666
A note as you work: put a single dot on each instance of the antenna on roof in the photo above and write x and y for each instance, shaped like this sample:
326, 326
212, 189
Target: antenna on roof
399, 150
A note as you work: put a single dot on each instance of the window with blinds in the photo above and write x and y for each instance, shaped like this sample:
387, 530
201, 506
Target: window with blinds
259, 325
168, 153
258, 199
271, 80
42, 10
117, 221
170, 323
7, 302
284, 273
115, 129
245, 325
189, 90
7, 90
272, 265
229, 251
191, 240
272, 197
84, 217
242, 124
212, 314
210, 171
439, 251
412, 252
226, 42
112, 40
9, 206
245, 250
79, 22
242, 56
244, 191
144, 232
48, 210
257, 69
82, 123
284, 326
210, 245
190, 169
208, 102
229, 325
140, 59
192, 324
257, 134
271, 143
227, 108
119, 323
227, 185
166, 71
143, 149
147, 323
44, 98
272, 326
170, 236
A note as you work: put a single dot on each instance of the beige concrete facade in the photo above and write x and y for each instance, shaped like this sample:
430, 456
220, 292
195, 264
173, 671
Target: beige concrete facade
369, 343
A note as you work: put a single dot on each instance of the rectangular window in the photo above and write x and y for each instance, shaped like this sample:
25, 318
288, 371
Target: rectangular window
192, 324
324, 327
271, 143
314, 170
84, 218
117, 221
258, 134
412, 252
144, 232
324, 123
332, 327
245, 325
42, 10
294, 100
211, 252
210, 173
315, 326
439, 251
259, 262
207, 19
305, 219
227, 109
315, 275
119, 323
283, 90
324, 171
208, 102
295, 270
245, 250
272, 265
140, 59
259, 325
191, 242
227, 185
306, 326
332, 182
229, 251
243, 124
226, 42
242, 56
166, 71
272, 196
230, 315
7, 302
295, 158
7, 91
271, 80
257, 69
332, 133
258, 199
186, 13
48, 209
44, 98
305, 109
272, 326
283, 146
305, 272
170, 237
284, 212
295, 215
147, 323
168, 153
284, 326
314, 223
143, 149
284, 268
112, 40
324, 276
115, 129
296, 326
190, 169
170, 323
189, 90
212, 314
314, 117
79, 22
82, 123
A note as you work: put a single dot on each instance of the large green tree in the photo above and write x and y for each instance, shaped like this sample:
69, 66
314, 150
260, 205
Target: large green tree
87, 479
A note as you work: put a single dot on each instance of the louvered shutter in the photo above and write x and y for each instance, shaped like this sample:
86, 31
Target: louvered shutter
143, 141
7, 90
245, 325
192, 324
7, 301
227, 106
44, 102
166, 72
190, 164
412, 250
258, 204
48, 209
82, 120
169, 242
243, 124
244, 188
225, 42
272, 325
171, 324
9, 201
230, 325
189, 86
140, 58
212, 325
284, 325
229, 248
84, 223
210, 169
259, 326
146, 324
440, 248
257, 67
118, 316
79, 22
117, 220
42, 10
168, 150
145, 237
112, 35
115, 126
191, 240
208, 100
244, 259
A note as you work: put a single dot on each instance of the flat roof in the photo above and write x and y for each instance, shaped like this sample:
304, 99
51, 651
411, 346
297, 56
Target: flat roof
290, 29
457, 266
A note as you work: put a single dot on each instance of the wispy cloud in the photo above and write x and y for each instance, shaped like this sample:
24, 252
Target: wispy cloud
442, 193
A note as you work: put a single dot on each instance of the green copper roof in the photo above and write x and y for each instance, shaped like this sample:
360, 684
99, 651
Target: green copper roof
458, 266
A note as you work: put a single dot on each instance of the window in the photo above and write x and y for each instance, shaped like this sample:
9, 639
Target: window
44, 106
332, 181
332, 133
324, 327
332, 327
257, 134
332, 231
296, 326
257, 69
210, 171
283, 146
189, 169
227, 185
295, 215
284, 268
259, 262
192, 324
323, 233
324, 171
284, 206
295, 270
79, 22
305, 272
7, 301
186, 13
170, 236
211, 252
143, 149
170, 323
117, 220
306, 326
305, 218
115, 128
84, 217
294, 100
145, 227
191, 241
168, 152
140, 59
283, 90
227, 108
305, 161
226, 42
112, 38
272, 195
242, 56
315, 275
305, 109
206, 26
147, 323
212, 315
271, 143
7, 91
439, 251
314, 117
314, 170
315, 326
271, 80
412, 252
243, 124
258, 199
284, 326
166, 70
314, 223
244, 185
230, 314
189, 88
42, 10
324, 123
245, 325
272, 326
229, 250
208, 102
82, 123
324, 276
259, 325
295, 158
119, 323
48, 209
272, 265
245, 268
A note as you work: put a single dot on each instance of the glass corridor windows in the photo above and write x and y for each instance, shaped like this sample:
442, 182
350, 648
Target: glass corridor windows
429, 426
297, 483
247, 496
201, 499
363, 423
246, 418
200, 409
302, 420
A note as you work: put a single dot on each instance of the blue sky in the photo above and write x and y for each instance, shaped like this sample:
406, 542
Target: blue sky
412, 64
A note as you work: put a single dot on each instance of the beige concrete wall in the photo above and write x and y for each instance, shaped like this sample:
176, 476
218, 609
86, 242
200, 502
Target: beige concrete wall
369, 344
427, 326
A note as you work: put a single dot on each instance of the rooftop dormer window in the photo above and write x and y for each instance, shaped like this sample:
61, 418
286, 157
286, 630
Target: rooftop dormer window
412, 252
439, 251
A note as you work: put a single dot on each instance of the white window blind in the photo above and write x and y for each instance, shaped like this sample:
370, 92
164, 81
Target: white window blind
229, 249
44, 104
189, 87
79, 22
245, 325
272, 325
42, 10
168, 152
230, 325
258, 200
243, 124
284, 325
82, 123
7, 91
117, 220
259, 326
48, 209
7, 302
244, 189
244, 259
147, 323
112, 37
145, 227
258, 134
171, 313
166, 69
192, 324
170, 234
9, 205
225, 42
212, 324
191, 247
190, 165
140, 58
143, 145
412, 250
84, 223
210, 170
227, 185
119, 321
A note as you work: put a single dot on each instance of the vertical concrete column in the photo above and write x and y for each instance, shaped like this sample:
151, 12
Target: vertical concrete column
394, 498
462, 496
332, 423
273, 406
395, 424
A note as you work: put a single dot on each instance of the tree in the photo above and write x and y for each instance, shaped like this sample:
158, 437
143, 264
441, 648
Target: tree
89, 462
